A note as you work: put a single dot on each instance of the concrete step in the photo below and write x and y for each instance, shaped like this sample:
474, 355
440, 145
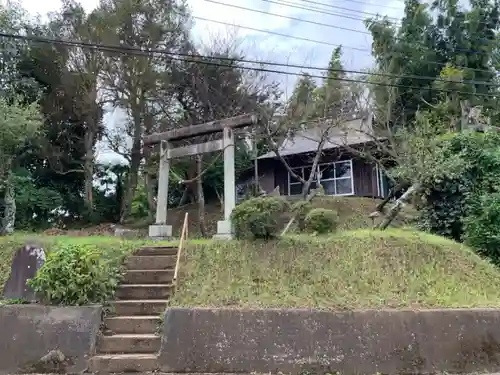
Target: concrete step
157, 250
138, 307
148, 277
150, 262
119, 363
132, 324
129, 343
143, 291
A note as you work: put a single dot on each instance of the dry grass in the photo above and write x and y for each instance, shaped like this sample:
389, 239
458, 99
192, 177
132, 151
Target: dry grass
354, 211
353, 214
350, 270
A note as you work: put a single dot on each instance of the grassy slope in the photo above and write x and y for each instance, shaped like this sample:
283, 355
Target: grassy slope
353, 213
352, 269
9, 245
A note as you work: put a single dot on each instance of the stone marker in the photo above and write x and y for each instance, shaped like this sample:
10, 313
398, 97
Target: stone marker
27, 261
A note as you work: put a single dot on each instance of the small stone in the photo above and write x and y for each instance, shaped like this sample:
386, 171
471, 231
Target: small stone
126, 233
54, 356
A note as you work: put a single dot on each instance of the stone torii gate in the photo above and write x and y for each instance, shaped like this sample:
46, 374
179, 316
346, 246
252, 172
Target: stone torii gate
160, 230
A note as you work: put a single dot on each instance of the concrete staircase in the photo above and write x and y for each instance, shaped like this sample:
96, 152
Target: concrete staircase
130, 341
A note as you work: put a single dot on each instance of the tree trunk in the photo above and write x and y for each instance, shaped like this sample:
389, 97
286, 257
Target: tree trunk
88, 167
148, 171
92, 119
380, 209
317, 157
9, 214
150, 192
398, 205
133, 177
200, 195
309, 198
184, 197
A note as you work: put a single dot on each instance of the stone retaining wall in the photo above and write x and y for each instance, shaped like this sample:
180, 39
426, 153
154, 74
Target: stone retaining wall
65, 336
361, 342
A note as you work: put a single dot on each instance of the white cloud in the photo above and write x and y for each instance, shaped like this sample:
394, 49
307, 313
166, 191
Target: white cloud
240, 17
37, 7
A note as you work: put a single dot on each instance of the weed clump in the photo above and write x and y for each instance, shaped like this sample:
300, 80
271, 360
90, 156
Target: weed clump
321, 220
258, 218
79, 274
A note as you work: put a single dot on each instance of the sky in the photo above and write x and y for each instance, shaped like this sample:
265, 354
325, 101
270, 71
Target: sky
339, 15
308, 19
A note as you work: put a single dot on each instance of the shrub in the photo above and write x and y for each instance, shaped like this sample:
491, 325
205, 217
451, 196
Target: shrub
482, 227
258, 218
301, 209
447, 202
321, 220
78, 275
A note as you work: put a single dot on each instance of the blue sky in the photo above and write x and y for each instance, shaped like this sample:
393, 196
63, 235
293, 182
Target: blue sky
265, 46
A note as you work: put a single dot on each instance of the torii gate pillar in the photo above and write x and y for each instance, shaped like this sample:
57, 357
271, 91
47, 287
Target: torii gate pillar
161, 230
224, 227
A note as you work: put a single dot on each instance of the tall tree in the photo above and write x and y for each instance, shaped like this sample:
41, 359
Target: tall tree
18, 124
134, 80
212, 86
68, 77
428, 38
315, 111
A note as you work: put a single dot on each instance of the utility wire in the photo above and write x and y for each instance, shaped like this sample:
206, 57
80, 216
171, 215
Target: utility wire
323, 24
364, 50
196, 59
114, 48
376, 5
354, 1
289, 17
384, 84
323, 11
280, 34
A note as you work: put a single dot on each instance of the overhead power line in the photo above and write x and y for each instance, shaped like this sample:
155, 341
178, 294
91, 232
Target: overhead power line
196, 59
364, 50
325, 24
396, 22
114, 48
280, 34
376, 4
289, 17
384, 84
323, 11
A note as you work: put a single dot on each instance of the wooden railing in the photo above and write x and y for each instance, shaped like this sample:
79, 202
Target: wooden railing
184, 234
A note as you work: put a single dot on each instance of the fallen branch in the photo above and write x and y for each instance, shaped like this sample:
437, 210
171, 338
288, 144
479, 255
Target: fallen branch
398, 205
380, 208
309, 198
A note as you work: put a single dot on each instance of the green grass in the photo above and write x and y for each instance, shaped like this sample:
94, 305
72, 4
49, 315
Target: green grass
111, 246
357, 269
9, 244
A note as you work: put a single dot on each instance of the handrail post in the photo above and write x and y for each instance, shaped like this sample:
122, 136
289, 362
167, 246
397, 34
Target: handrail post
184, 233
